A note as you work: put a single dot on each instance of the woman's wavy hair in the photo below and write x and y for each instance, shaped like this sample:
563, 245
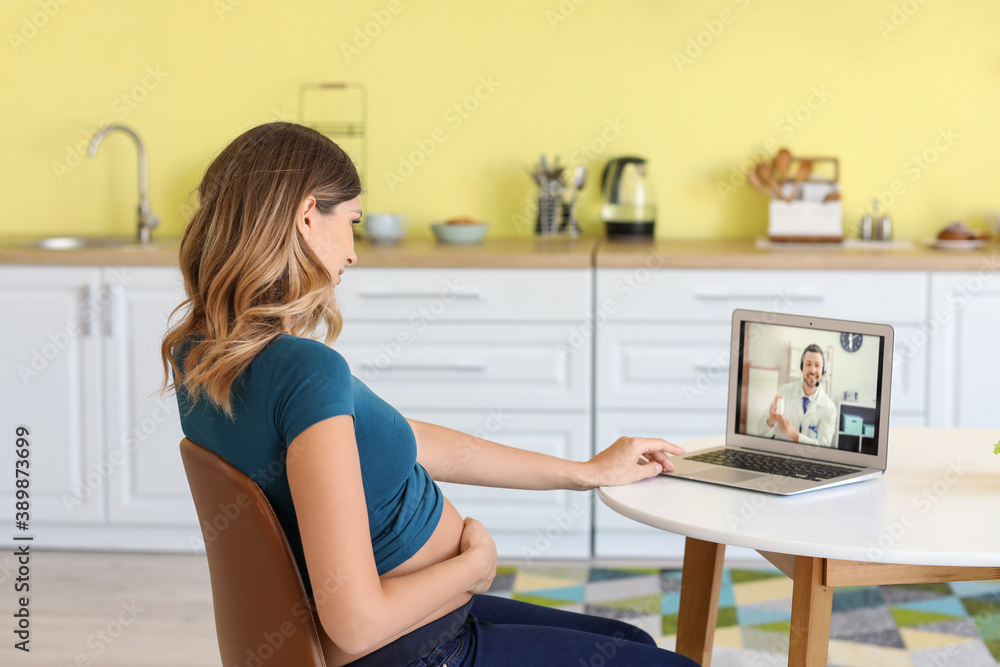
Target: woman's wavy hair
248, 274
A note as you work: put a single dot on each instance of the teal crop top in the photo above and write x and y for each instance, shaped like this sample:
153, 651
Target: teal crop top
291, 385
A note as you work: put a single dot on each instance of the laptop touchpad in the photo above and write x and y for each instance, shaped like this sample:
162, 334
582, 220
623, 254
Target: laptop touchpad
725, 475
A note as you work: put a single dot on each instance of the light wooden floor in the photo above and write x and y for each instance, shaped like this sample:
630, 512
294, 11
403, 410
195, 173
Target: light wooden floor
114, 609
127, 610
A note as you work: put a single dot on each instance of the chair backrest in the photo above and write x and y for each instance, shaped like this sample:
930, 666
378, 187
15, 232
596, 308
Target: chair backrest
261, 607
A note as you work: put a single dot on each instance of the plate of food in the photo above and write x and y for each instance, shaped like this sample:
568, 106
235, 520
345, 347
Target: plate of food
958, 236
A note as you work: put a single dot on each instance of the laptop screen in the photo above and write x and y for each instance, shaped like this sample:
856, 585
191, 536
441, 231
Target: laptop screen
812, 386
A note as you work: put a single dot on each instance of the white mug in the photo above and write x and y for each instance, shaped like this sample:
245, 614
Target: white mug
386, 224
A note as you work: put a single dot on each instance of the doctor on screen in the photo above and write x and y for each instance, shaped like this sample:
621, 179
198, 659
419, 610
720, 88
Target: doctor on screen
801, 411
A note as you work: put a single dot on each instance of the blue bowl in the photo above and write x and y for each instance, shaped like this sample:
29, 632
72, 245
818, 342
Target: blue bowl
465, 233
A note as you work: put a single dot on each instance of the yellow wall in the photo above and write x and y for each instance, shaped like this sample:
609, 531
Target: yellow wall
566, 72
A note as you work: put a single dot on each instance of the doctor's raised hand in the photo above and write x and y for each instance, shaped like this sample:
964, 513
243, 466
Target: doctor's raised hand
775, 418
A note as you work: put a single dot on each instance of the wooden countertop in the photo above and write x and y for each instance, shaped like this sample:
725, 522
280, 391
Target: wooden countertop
566, 253
743, 254
536, 253
160, 253
494, 253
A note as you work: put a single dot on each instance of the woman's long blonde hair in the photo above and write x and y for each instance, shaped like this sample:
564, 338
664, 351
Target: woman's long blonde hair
248, 274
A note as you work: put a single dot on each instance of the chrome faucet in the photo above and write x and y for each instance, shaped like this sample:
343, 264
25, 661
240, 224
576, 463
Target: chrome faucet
147, 220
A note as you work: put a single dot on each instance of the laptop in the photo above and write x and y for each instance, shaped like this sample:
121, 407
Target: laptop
808, 405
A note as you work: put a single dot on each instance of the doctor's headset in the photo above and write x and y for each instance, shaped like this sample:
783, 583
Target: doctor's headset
813, 348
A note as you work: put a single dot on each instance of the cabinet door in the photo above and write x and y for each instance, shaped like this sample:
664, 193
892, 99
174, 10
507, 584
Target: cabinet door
962, 337
50, 382
470, 366
711, 295
526, 525
662, 366
148, 484
429, 295
909, 370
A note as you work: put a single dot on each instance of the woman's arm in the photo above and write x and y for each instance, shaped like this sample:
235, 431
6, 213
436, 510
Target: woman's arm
453, 456
360, 610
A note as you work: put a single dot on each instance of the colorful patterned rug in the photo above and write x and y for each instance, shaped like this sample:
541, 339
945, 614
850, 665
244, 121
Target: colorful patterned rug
920, 625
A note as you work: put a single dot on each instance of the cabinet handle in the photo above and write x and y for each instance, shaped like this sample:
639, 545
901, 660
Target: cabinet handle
87, 313
733, 296
478, 295
465, 368
708, 369
109, 316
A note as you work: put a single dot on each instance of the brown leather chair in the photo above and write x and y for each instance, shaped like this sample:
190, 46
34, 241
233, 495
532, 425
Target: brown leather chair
262, 613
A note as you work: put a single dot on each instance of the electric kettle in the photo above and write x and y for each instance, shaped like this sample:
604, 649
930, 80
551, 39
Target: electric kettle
628, 205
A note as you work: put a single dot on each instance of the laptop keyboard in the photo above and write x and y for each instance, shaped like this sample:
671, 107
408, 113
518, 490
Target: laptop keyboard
775, 465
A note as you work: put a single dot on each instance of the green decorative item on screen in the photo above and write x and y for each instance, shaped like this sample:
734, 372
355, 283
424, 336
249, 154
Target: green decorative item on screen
996, 448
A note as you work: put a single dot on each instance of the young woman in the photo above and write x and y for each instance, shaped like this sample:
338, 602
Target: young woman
397, 575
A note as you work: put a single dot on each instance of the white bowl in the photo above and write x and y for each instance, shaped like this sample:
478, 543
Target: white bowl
461, 233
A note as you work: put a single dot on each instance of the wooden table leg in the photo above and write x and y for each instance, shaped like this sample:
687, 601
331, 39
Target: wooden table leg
812, 606
701, 580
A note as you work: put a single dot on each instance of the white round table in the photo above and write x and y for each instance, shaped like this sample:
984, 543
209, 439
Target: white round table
933, 516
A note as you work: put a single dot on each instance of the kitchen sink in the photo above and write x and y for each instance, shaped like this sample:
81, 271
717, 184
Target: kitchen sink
84, 242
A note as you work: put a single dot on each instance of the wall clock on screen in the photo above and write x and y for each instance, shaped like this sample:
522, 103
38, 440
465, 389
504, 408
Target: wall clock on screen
851, 341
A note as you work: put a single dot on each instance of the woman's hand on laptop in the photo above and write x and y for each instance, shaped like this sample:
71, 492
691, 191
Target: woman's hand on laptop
631, 459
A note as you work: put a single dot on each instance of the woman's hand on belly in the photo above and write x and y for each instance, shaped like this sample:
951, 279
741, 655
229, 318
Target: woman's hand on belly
451, 537
475, 538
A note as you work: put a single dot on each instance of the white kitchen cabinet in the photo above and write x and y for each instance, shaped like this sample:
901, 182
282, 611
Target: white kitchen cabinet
147, 484
50, 383
469, 366
561, 361
458, 347
526, 525
647, 366
962, 337
662, 356
711, 295
82, 375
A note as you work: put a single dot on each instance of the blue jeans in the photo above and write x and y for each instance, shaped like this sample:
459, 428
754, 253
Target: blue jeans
500, 632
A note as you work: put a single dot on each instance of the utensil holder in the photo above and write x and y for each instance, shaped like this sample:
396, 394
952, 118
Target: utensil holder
550, 209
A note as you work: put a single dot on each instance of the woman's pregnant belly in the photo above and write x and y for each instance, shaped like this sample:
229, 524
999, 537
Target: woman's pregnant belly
442, 545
